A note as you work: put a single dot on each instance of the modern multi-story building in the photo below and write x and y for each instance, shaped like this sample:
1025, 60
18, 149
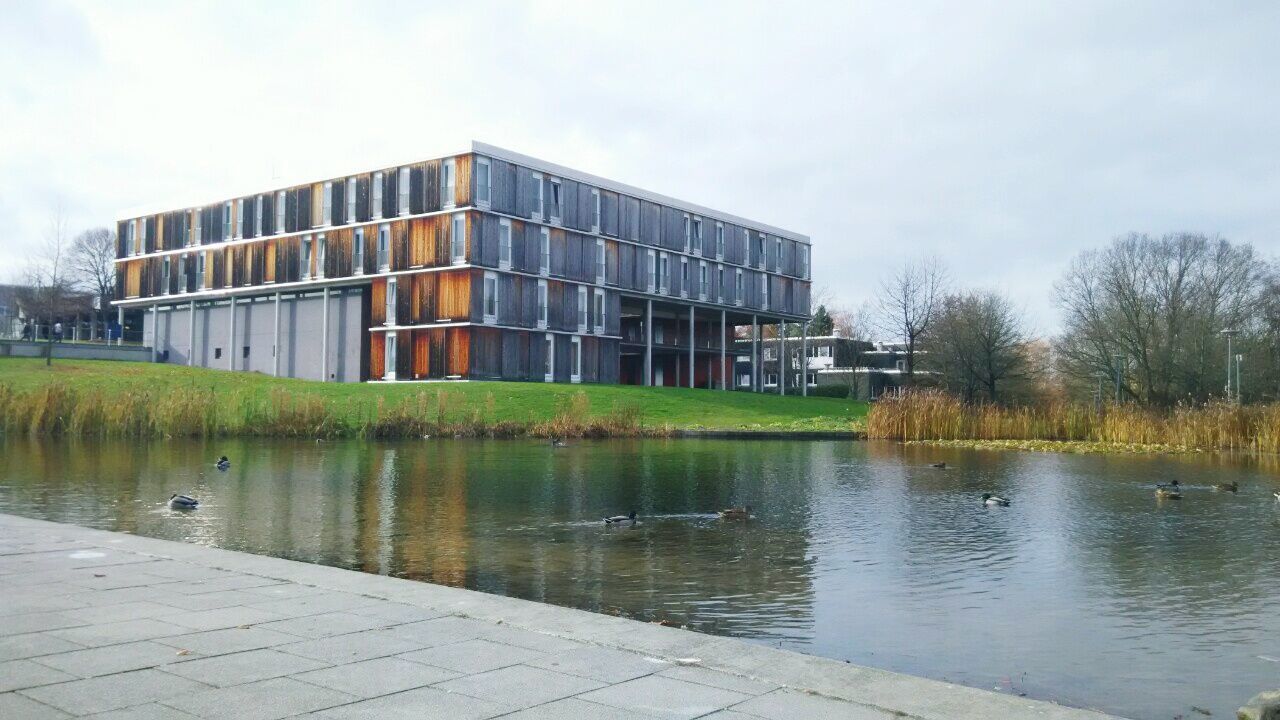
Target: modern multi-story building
485, 264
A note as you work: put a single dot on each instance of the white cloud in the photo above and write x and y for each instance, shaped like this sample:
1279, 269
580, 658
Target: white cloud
1004, 138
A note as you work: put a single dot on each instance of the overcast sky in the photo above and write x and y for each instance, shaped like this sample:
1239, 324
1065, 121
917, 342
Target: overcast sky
1002, 137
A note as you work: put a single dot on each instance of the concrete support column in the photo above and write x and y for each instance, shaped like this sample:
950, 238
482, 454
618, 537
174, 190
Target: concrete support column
119, 323
804, 359
724, 380
692, 372
648, 342
783, 365
275, 342
755, 355
231, 336
155, 332
324, 339
191, 340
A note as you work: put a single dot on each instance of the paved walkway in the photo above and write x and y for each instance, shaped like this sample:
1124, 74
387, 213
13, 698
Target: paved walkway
109, 625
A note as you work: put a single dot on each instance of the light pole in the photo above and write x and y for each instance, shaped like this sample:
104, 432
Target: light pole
1230, 333
1119, 365
1239, 394
1097, 396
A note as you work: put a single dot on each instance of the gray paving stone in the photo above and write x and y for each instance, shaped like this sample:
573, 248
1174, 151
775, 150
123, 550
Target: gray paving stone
598, 663
397, 613
13, 705
263, 700
519, 686
787, 704
666, 697
136, 610
235, 581
112, 659
533, 640
314, 604
441, 631
19, 674
326, 624
575, 709
119, 632
380, 676
110, 692
244, 667
353, 647
150, 711
221, 642
421, 704
473, 656
28, 600
715, 678
18, 647
227, 617
728, 715
283, 591
37, 622
208, 601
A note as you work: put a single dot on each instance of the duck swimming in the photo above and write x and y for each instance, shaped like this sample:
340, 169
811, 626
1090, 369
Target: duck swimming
183, 502
939, 465
736, 513
993, 501
1232, 486
620, 518
223, 463
558, 443
1171, 485
1169, 492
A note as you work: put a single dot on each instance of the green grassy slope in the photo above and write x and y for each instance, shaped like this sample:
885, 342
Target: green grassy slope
679, 408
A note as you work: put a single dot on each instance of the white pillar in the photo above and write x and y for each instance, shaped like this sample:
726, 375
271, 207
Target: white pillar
155, 332
804, 359
692, 372
755, 355
191, 341
784, 366
324, 339
275, 342
120, 324
724, 380
231, 336
648, 342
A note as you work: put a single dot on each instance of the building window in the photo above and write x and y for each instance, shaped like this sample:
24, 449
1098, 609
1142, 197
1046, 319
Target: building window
448, 182
257, 216
351, 200
537, 197
377, 195
663, 273
194, 237
737, 287
702, 281
555, 201
542, 304
130, 235
582, 308
687, 231
697, 236
326, 205
217, 353
575, 360
182, 273
357, 252
238, 225
760, 249
199, 270
321, 245
164, 277
595, 210
391, 301
226, 221
389, 359
804, 260
653, 271
459, 238
599, 311
402, 189
684, 277
719, 241
504, 243
544, 251
720, 283
280, 206
768, 353
658, 333
771, 379
484, 188
304, 258
549, 358
490, 297
764, 291
777, 254
600, 261
384, 247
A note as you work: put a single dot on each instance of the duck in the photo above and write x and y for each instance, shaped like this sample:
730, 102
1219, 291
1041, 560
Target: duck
183, 502
620, 518
736, 513
993, 501
1171, 485
1232, 486
1169, 492
558, 443
1277, 494
223, 463
939, 465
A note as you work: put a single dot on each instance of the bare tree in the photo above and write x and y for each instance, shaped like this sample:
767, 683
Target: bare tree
908, 303
855, 325
49, 280
977, 344
91, 261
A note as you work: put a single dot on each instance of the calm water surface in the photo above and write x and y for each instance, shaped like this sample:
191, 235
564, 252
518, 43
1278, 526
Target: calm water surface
1086, 591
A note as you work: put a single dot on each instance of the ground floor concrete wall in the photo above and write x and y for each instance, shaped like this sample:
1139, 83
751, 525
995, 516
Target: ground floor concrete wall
75, 351
250, 343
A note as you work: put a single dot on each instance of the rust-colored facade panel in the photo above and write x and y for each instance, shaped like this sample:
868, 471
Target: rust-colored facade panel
377, 355
378, 303
453, 300
421, 354
458, 345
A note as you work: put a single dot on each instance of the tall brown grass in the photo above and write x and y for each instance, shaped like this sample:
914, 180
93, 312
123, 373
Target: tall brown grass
188, 411
935, 415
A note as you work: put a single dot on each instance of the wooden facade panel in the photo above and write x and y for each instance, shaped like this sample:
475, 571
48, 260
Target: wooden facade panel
454, 295
462, 183
378, 302
404, 354
421, 354
377, 355
458, 345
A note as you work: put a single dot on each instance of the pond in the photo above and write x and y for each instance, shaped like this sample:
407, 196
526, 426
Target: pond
1087, 590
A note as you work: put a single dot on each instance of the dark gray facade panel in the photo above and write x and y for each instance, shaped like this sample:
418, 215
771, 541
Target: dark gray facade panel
630, 222
650, 223
609, 213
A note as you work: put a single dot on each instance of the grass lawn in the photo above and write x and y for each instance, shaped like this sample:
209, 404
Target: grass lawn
679, 408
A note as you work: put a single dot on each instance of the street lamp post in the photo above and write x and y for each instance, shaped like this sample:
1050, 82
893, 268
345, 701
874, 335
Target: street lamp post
1119, 365
1239, 391
1230, 333
1097, 396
